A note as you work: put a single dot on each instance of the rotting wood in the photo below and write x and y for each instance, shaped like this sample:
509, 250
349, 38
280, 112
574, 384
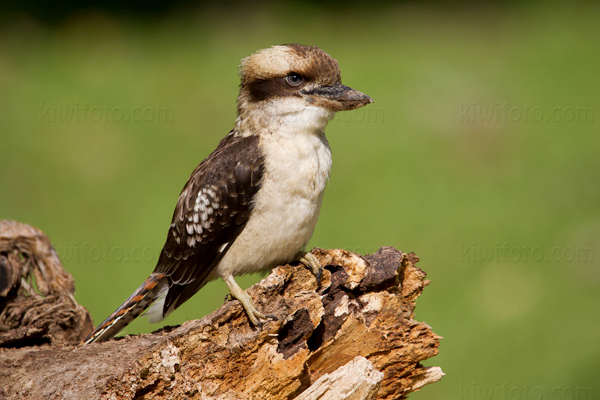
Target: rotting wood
361, 319
36, 294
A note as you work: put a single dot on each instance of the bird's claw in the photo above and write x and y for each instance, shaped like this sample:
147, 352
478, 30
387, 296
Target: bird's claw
236, 292
310, 261
254, 315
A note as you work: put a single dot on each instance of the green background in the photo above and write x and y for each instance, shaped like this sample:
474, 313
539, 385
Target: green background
480, 154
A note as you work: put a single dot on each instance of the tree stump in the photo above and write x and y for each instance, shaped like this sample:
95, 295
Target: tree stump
36, 294
354, 337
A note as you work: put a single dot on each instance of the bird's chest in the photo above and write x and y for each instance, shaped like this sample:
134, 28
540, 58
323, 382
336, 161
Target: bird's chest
286, 206
289, 201
296, 172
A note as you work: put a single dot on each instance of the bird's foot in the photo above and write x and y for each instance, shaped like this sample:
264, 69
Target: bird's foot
254, 315
311, 262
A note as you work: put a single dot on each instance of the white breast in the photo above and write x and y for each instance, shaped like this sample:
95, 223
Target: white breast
297, 166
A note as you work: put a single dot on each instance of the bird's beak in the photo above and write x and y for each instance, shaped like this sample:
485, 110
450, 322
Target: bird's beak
336, 97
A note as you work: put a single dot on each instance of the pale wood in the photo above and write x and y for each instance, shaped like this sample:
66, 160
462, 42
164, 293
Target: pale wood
357, 380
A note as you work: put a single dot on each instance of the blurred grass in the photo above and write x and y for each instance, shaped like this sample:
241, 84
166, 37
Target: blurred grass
504, 212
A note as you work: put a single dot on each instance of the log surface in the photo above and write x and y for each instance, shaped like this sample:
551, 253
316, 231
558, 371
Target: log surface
354, 337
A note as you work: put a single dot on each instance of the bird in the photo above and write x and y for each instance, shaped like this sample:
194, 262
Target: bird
253, 203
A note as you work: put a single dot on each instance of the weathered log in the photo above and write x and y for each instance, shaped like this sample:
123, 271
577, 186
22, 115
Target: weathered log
354, 337
36, 294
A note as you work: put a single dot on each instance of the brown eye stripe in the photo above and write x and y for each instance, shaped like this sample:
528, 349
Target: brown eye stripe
265, 89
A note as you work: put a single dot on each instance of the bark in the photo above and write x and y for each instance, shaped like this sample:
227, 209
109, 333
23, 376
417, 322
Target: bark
354, 337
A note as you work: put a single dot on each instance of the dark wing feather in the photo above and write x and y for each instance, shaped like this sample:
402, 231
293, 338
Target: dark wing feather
213, 208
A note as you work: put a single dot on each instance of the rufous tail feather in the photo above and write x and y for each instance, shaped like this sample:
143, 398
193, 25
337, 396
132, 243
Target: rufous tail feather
135, 305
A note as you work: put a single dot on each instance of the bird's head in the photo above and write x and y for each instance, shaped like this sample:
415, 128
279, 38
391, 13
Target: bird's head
294, 81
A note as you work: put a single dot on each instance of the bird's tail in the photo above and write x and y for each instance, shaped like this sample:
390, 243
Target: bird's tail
135, 305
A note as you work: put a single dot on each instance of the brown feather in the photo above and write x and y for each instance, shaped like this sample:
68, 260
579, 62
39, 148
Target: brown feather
228, 179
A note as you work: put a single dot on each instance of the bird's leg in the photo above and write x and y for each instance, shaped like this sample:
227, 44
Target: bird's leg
311, 262
244, 298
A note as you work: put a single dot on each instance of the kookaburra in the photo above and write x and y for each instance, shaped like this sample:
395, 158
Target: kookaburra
253, 203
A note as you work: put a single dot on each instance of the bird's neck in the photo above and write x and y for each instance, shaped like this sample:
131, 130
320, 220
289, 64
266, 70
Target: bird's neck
287, 117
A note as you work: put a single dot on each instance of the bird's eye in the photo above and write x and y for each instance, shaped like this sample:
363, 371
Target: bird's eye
294, 79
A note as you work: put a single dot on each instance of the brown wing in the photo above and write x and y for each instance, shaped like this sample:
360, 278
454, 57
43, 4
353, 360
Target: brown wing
212, 210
